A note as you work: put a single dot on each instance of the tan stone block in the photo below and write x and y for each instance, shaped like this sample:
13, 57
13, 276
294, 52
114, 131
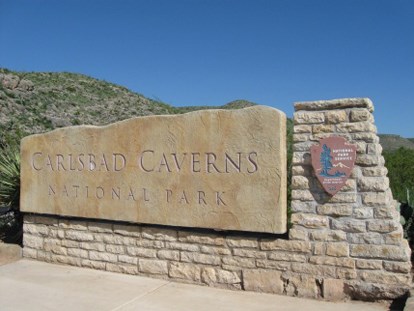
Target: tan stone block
300, 129
336, 116
356, 127
149, 243
302, 286
374, 148
328, 235
309, 220
385, 277
249, 253
286, 245
289, 257
363, 212
80, 253
47, 220
29, 253
341, 103
115, 249
276, 265
66, 260
263, 281
215, 250
333, 261
298, 234
375, 199
239, 262
183, 246
153, 266
333, 290
209, 239
387, 252
300, 137
200, 258
54, 246
33, 241
349, 225
301, 170
374, 184
322, 128
315, 270
301, 158
78, 225
184, 271
149, 170
98, 256
308, 117
398, 267
118, 268
128, 259
376, 171
335, 209
79, 235
367, 137
35, 229
95, 246
383, 226
93, 264
233, 241
103, 227
168, 254
365, 238
127, 230
361, 146
346, 274
141, 252
159, 234
365, 264
367, 160
300, 182
70, 243
304, 207
358, 115
214, 275
47, 256
318, 248
339, 249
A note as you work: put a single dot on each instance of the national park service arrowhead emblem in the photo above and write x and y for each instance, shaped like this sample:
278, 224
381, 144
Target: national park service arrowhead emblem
333, 160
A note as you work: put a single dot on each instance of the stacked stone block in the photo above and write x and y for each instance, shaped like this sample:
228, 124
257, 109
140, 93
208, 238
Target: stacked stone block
348, 245
357, 230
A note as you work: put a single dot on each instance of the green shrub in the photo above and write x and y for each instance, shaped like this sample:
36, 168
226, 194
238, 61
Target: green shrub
10, 217
10, 177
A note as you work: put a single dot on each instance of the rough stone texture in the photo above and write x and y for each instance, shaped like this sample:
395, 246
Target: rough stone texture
347, 246
205, 169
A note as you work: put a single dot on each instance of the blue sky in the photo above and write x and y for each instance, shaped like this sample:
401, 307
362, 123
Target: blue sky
199, 52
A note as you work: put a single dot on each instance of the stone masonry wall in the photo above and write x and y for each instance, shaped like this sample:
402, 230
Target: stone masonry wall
349, 245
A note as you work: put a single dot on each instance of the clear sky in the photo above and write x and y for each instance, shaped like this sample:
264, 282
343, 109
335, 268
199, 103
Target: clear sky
210, 52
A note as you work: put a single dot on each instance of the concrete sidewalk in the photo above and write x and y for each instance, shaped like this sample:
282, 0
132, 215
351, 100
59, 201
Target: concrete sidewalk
32, 285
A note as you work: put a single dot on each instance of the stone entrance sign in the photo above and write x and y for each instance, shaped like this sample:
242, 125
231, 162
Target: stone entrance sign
216, 169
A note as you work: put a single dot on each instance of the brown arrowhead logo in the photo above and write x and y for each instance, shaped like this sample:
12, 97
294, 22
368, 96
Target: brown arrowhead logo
333, 160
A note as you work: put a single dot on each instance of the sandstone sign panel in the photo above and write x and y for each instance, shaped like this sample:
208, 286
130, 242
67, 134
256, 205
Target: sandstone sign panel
217, 169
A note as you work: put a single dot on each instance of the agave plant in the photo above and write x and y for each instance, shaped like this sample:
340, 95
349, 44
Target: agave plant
10, 216
10, 177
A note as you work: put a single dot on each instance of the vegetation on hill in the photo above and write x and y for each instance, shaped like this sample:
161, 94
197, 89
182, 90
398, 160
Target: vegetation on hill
391, 142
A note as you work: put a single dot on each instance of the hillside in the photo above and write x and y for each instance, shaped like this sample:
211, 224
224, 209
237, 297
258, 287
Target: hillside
392, 142
35, 102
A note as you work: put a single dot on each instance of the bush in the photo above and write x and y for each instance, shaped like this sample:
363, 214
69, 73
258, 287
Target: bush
10, 217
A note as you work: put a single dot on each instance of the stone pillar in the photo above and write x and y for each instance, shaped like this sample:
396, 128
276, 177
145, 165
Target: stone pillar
358, 229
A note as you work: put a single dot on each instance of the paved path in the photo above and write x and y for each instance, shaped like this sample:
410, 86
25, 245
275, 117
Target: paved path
32, 285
